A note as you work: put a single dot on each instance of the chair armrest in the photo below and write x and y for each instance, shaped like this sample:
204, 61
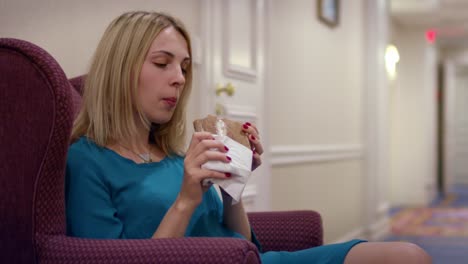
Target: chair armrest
63, 249
287, 230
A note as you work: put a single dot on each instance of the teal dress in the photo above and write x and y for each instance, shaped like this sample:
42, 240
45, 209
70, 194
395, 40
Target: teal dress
109, 196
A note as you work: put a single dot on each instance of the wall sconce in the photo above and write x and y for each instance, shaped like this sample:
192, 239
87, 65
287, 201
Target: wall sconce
392, 57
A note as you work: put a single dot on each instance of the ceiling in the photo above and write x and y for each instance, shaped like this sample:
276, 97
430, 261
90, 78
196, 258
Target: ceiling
449, 18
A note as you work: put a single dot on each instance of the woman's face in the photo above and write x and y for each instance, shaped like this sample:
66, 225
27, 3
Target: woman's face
162, 76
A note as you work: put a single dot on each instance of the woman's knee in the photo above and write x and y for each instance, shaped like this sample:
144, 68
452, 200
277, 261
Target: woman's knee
414, 253
387, 252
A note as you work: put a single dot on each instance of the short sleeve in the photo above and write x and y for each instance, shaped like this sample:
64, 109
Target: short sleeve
89, 209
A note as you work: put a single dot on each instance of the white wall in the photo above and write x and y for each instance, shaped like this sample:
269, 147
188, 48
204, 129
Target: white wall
70, 30
455, 62
413, 120
460, 170
315, 100
456, 132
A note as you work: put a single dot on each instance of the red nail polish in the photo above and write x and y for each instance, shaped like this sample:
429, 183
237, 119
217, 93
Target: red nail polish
226, 148
245, 126
228, 174
229, 158
252, 137
247, 123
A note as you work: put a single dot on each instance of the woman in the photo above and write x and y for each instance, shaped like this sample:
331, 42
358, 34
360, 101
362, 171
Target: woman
127, 173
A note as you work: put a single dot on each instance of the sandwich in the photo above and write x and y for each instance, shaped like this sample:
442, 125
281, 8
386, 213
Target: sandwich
233, 128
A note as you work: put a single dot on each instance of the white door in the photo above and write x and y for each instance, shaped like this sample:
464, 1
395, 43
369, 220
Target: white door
460, 146
233, 33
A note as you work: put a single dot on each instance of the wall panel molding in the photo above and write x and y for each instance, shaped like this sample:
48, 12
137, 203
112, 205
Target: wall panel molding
230, 68
294, 154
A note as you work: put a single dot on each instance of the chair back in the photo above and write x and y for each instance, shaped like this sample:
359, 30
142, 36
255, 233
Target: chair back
36, 111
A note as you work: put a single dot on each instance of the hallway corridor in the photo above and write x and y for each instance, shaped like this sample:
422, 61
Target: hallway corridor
441, 229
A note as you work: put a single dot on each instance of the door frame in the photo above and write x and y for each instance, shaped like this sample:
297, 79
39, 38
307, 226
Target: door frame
261, 195
375, 123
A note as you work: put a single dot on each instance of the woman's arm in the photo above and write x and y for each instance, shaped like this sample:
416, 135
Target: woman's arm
235, 217
201, 150
175, 221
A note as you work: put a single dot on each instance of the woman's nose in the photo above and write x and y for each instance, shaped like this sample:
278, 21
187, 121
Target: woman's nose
179, 77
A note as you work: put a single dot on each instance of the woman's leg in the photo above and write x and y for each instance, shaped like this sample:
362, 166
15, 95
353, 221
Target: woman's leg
386, 253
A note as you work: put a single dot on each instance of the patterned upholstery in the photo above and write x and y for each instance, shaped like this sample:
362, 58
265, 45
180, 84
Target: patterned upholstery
78, 84
288, 230
38, 104
35, 111
185, 250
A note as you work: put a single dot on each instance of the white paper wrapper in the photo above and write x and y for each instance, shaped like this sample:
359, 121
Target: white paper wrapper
239, 167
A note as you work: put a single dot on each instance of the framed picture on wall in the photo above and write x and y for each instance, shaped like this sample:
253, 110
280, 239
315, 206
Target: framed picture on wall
328, 11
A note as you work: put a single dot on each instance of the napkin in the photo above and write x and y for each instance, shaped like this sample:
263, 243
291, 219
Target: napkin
239, 167
241, 157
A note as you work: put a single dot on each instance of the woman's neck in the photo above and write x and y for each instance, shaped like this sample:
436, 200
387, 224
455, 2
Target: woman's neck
138, 146
138, 143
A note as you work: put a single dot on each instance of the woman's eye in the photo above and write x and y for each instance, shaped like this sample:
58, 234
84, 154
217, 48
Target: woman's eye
160, 65
184, 71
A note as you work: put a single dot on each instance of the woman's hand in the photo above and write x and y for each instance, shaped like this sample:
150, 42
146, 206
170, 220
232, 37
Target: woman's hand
202, 148
257, 148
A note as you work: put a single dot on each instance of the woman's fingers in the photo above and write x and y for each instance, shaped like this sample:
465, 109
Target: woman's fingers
257, 145
200, 144
213, 174
253, 135
253, 127
198, 137
211, 155
202, 135
257, 160
204, 148
209, 144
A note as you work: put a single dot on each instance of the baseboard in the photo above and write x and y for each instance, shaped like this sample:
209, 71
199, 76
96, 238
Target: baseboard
380, 229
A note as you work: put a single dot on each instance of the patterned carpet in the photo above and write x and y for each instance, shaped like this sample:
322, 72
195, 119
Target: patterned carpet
446, 222
441, 229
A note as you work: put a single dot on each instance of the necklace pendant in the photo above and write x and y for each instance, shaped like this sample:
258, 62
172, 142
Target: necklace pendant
146, 157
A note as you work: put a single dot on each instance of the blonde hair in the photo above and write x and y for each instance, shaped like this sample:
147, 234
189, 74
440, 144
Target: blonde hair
108, 107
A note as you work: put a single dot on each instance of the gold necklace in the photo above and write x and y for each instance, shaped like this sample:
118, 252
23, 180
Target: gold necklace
146, 157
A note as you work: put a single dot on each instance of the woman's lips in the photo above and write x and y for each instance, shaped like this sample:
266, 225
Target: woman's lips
171, 101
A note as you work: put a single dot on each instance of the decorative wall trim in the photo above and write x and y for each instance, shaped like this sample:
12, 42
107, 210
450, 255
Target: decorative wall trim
238, 71
207, 101
291, 154
241, 112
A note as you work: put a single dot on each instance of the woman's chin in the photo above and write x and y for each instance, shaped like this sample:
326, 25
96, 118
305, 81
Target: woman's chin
160, 120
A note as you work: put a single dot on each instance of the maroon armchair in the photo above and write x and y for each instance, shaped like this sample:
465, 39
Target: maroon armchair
37, 107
